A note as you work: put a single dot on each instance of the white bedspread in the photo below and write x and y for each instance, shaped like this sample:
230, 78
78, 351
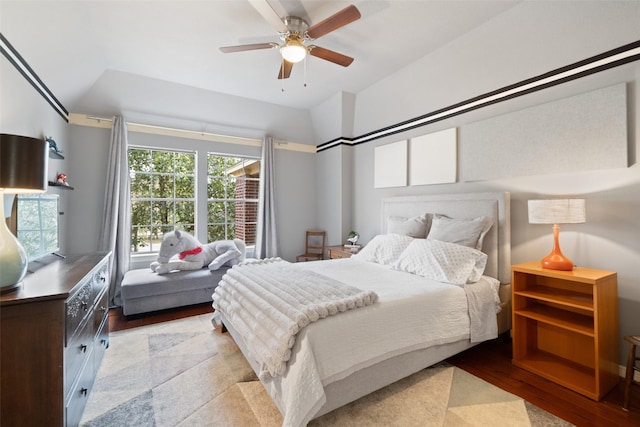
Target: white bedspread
411, 313
269, 303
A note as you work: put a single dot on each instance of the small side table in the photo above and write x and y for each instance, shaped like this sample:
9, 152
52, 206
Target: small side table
336, 252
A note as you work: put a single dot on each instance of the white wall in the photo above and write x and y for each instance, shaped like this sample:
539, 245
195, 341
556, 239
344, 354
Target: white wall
156, 102
150, 101
23, 111
295, 185
528, 40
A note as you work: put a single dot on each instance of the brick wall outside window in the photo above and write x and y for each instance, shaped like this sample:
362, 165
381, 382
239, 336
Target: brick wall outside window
247, 212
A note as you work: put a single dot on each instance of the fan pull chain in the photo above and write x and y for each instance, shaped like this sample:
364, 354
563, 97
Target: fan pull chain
282, 74
305, 70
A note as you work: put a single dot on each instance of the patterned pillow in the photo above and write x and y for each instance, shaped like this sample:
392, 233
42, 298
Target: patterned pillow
467, 232
414, 227
442, 261
384, 249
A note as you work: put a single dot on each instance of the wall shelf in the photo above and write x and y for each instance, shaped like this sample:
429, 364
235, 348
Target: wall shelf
55, 184
55, 155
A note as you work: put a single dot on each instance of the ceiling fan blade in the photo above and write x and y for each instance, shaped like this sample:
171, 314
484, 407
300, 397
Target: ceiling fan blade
330, 55
335, 21
269, 14
285, 70
243, 47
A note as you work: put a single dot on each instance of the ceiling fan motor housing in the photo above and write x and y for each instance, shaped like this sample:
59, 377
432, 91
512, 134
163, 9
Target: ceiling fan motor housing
297, 27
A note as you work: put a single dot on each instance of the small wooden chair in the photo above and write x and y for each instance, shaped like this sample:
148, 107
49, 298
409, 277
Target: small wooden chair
314, 246
632, 359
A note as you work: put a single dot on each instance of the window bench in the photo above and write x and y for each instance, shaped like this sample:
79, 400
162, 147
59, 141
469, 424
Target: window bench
144, 290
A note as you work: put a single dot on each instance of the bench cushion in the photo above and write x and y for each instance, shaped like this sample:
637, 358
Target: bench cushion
144, 290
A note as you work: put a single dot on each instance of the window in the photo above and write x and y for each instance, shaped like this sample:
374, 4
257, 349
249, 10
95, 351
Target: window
162, 195
164, 186
232, 198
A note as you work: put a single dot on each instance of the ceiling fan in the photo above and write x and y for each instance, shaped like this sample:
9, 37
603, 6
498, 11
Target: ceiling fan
295, 33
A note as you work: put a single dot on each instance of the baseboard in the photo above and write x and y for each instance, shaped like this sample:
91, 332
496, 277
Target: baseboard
623, 372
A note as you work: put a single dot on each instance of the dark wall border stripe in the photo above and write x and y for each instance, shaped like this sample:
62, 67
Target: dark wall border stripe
595, 64
27, 72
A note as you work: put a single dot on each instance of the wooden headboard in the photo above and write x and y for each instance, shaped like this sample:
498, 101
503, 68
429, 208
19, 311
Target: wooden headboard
497, 242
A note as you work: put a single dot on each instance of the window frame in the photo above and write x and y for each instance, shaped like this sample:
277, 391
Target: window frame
202, 148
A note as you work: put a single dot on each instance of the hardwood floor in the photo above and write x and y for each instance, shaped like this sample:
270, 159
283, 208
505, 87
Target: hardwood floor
490, 361
119, 322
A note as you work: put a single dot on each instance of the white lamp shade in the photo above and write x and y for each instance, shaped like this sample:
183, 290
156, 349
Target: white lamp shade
557, 211
293, 51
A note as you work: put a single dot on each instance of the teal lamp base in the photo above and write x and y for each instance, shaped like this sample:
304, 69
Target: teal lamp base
13, 258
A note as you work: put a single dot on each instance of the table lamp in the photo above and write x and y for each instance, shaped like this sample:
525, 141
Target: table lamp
557, 211
23, 169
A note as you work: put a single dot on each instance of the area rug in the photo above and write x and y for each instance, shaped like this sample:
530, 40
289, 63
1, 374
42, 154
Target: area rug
184, 373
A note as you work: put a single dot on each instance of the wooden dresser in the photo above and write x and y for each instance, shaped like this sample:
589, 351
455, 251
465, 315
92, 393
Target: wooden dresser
53, 333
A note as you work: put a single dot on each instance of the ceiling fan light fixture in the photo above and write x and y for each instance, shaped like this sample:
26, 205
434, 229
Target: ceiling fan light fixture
293, 51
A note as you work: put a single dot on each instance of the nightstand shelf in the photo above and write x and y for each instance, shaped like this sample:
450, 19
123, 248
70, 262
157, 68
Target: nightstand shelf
565, 326
562, 371
560, 296
564, 319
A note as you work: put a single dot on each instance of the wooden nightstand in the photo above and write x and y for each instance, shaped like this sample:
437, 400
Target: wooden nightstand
341, 252
565, 326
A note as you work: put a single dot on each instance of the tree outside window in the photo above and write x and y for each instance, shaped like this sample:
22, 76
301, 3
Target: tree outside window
163, 196
162, 187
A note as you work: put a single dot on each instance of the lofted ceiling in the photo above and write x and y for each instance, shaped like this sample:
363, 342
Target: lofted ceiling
71, 45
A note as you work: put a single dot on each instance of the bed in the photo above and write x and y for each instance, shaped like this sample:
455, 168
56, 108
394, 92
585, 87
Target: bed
412, 321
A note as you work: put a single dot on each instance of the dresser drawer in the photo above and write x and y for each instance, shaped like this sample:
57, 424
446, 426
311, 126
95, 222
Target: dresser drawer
76, 309
79, 395
101, 310
338, 252
77, 353
101, 344
100, 281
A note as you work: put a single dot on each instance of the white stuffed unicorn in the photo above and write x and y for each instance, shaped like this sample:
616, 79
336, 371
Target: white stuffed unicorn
192, 255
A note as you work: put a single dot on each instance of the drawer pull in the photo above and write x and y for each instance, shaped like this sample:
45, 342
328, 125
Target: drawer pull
103, 342
84, 391
83, 348
104, 309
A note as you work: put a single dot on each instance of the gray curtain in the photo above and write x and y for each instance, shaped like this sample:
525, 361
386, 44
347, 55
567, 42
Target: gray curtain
266, 240
116, 225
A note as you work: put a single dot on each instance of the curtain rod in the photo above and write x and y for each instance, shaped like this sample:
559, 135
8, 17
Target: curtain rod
105, 123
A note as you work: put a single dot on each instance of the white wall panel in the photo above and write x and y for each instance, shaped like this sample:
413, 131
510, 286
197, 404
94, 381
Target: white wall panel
433, 158
391, 165
579, 133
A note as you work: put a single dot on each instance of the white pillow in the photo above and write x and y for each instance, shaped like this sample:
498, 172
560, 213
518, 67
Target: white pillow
384, 249
414, 227
467, 232
442, 261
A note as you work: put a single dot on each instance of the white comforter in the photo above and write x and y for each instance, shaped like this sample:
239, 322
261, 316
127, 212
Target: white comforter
411, 313
269, 303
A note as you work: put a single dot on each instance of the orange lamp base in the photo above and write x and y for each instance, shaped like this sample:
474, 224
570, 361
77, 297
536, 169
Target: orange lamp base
556, 260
